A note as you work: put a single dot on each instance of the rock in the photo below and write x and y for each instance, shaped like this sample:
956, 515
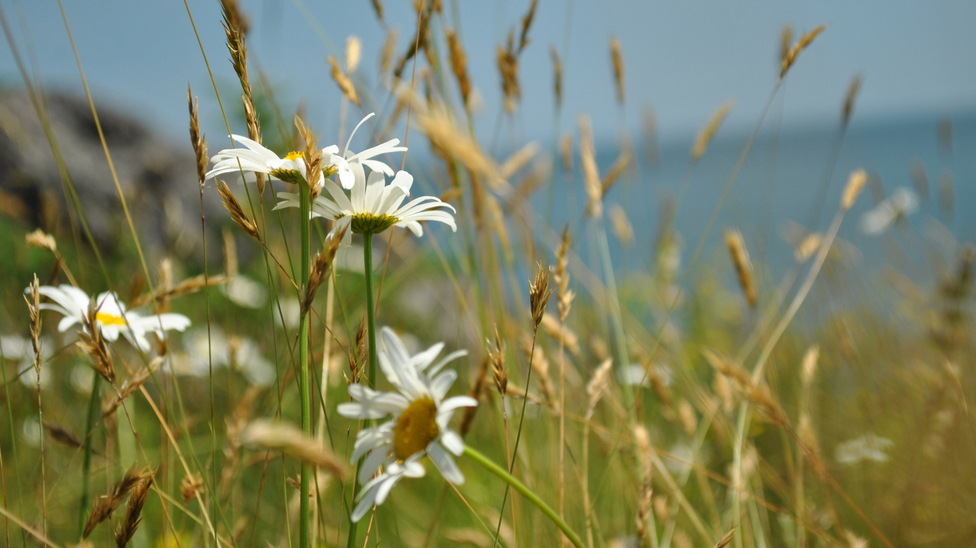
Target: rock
158, 178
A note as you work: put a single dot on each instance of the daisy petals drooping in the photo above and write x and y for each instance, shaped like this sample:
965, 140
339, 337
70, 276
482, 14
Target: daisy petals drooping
418, 426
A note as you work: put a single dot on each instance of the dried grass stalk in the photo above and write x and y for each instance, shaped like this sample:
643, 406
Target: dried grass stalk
496, 356
727, 367
345, 84
526, 25
104, 505
620, 224
617, 60
707, 133
237, 212
114, 401
790, 57
386, 53
354, 53
616, 170
507, 60
809, 245
197, 139
852, 91
61, 435
591, 175
133, 512
566, 154
312, 158
855, 184
186, 287
190, 487
517, 161
539, 293
557, 330
743, 266
557, 77
564, 295
33, 299
727, 539
598, 384
43, 240
642, 441
785, 42
285, 437
809, 364
91, 341
319, 269
459, 66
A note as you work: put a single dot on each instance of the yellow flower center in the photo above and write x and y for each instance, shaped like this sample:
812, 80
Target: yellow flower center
293, 155
416, 428
367, 223
109, 319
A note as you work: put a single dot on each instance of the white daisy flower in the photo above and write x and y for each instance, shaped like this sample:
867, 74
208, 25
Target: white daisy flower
112, 316
418, 425
349, 165
255, 158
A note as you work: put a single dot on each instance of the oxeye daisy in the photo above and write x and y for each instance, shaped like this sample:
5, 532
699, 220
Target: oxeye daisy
418, 426
255, 158
112, 317
373, 206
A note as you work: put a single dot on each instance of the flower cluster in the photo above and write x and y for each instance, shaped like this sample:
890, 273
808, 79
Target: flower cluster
371, 207
418, 426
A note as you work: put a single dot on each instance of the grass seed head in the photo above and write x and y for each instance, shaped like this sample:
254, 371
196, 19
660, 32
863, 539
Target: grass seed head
742, 263
855, 184
794, 51
617, 60
496, 355
43, 240
133, 512
848, 109
197, 139
354, 53
707, 133
459, 66
93, 343
103, 506
237, 212
557, 77
591, 175
526, 25
599, 383
539, 293
342, 80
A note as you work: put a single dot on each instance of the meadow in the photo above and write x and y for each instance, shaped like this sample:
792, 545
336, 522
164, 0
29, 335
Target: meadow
363, 349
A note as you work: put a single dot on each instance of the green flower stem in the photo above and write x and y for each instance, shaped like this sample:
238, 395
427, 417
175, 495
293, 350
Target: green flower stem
304, 380
526, 492
370, 306
371, 337
86, 468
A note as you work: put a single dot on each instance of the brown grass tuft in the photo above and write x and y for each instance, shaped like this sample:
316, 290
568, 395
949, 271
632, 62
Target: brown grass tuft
743, 266
855, 183
190, 486
794, 51
459, 66
133, 512
285, 437
557, 77
599, 383
591, 175
319, 269
852, 90
507, 60
198, 140
93, 343
237, 212
539, 293
342, 80
114, 400
103, 506
43, 240
708, 132
496, 356
617, 60
526, 25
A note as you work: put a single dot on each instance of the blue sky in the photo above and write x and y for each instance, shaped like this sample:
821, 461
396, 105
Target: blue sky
682, 58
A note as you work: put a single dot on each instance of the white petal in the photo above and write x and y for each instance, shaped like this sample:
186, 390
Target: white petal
442, 383
452, 442
445, 464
